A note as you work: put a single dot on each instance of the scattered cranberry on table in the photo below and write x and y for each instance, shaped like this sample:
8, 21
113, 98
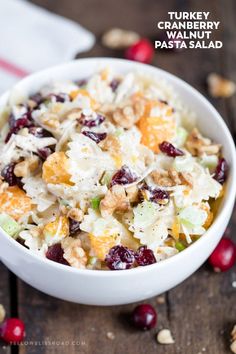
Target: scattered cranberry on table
224, 255
141, 51
144, 317
12, 330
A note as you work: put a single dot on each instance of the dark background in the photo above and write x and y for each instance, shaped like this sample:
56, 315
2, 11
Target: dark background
201, 311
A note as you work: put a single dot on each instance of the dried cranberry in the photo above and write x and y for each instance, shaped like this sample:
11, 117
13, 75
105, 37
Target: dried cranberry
144, 317
81, 82
123, 176
9, 176
18, 124
144, 256
94, 122
60, 97
40, 132
114, 84
45, 152
224, 255
163, 101
170, 150
37, 98
97, 137
12, 330
141, 51
74, 227
119, 258
155, 195
221, 171
159, 196
55, 253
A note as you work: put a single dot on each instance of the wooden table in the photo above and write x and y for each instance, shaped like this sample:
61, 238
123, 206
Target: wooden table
201, 311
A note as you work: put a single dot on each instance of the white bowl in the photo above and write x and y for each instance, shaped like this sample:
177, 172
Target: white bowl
121, 287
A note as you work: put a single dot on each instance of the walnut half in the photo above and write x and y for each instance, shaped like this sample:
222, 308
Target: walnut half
117, 38
197, 145
114, 200
24, 168
73, 252
165, 337
171, 178
218, 86
128, 113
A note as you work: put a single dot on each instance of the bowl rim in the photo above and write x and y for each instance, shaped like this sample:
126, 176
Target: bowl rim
231, 185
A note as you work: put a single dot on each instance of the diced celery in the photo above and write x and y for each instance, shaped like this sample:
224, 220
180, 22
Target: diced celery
181, 136
179, 246
64, 202
145, 214
209, 161
192, 216
119, 132
92, 260
183, 163
106, 179
9, 225
95, 203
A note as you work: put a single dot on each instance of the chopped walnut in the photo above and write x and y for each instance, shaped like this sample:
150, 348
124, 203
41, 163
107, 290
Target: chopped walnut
2, 313
24, 168
233, 338
73, 252
186, 178
162, 178
165, 337
175, 176
3, 185
114, 200
32, 104
111, 144
129, 112
218, 86
132, 193
180, 177
36, 231
160, 299
110, 335
76, 214
233, 347
233, 333
197, 145
117, 38
50, 120
73, 114
171, 178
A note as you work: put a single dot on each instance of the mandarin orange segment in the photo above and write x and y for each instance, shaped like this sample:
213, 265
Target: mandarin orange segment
14, 202
209, 218
176, 229
156, 129
55, 169
101, 245
104, 74
59, 227
83, 92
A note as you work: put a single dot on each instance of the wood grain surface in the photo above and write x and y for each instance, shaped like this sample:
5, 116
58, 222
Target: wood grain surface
201, 311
